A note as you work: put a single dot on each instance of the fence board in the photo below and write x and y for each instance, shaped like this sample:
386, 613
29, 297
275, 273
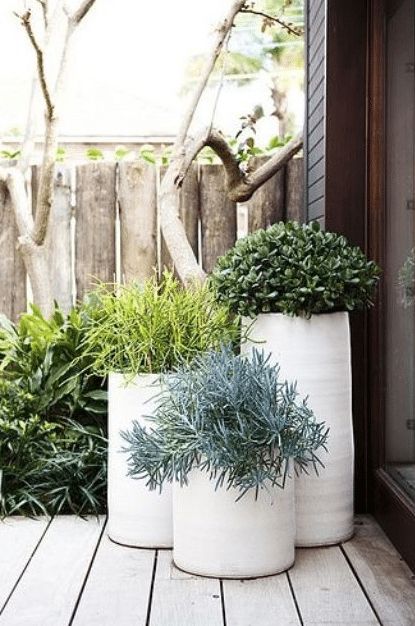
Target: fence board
137, 197
58, 239
189, 213
267, 204
204, 208
95, 225
12, 270
295, 206
217, 213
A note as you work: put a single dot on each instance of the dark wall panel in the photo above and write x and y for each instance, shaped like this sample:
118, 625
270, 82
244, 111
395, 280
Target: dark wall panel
315, 108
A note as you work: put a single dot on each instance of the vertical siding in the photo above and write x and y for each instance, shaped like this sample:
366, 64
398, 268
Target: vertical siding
315, 109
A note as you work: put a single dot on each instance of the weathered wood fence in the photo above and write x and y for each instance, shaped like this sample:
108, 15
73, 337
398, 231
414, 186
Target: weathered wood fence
104, 224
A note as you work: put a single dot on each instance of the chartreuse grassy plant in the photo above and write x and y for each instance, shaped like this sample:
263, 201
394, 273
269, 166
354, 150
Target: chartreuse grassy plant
296, 269
153, 327
231, 417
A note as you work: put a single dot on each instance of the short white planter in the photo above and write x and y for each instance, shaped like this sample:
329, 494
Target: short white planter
316, 353
216, 536
136, 516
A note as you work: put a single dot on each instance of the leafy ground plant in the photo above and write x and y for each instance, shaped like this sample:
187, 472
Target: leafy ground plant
296, 269
229, 416
151, 328
45, 358
49, 468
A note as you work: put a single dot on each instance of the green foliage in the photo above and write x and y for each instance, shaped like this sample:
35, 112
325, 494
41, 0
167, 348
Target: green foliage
147, 153
121, 152
294, 269
94, 154
10, 155
152, 328
50, 468
45, 358
48, 463
228, 416
60, 154
15, 402
406, 280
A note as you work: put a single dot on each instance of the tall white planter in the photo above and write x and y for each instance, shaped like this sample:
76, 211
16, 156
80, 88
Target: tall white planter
136, 516
316, 353
216, 536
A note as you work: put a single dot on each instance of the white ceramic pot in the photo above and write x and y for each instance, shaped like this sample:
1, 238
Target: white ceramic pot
216, 536
136, 516
315, 352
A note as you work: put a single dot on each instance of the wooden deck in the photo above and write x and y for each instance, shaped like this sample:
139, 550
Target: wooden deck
66, 571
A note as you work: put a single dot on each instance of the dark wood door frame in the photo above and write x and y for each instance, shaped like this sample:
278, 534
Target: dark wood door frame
390, 504
345, 184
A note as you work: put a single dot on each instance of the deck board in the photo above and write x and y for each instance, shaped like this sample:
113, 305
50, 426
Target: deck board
326, 590
387, 579
118, 585
49, 588
180, 599
260, 602
19, 538
70, 574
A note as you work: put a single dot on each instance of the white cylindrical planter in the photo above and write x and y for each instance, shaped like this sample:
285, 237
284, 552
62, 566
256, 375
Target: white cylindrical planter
216, 536
315, 352
137, 516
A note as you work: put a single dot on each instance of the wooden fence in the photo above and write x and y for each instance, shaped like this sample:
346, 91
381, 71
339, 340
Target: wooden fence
104, 224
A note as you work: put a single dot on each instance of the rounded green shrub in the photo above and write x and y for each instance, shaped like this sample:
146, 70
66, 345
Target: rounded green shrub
296, 269
152, 328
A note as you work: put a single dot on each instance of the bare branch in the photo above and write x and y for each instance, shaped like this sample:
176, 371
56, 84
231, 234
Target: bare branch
221, 34
45, 12
81, 11
240, 186
252, 181
290, 28
25, 20
215, 140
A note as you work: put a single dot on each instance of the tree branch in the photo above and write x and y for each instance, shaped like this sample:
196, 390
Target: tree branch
25, 20
273, 18
77, 17
45, 11
244, 190
240, 186
221, 34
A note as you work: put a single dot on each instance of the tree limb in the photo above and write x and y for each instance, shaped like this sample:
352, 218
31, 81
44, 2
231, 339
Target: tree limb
77, 17
244, 190
45, 12
273, 18
45, 193
240, 186
213, 139
25, 20
221, 34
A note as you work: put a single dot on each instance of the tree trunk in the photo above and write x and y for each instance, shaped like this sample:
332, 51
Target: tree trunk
36, 262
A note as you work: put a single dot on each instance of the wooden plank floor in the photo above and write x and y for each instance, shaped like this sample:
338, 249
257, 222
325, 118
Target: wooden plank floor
66, 572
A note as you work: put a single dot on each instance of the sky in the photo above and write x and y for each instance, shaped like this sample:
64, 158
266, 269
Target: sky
126, 67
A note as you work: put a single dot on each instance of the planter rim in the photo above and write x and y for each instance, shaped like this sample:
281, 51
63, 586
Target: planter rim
133, 376
297, 317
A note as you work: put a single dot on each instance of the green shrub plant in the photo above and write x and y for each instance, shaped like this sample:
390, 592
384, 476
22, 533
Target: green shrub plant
52, 418
296, 269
